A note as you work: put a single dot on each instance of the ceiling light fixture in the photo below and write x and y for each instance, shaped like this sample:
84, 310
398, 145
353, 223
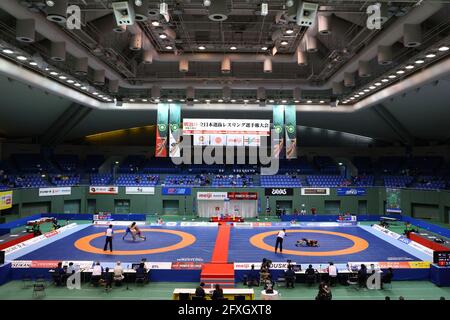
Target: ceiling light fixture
378, 84
155, 23
309, 101
201, 47
384, 80
400, 72
63, 77
32, 63
289, 31
22, 58
284, 43
169, 47
443, 48
430, 55
392, 76
8, 51
162, 36
420, 61
409, 67
264, 48
233, 48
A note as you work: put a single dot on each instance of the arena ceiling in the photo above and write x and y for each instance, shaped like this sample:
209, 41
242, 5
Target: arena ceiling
182, 59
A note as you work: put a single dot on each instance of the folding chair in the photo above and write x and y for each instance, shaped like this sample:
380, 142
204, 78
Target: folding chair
38, 290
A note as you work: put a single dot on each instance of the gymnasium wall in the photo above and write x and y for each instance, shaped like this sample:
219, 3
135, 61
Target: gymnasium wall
24, 200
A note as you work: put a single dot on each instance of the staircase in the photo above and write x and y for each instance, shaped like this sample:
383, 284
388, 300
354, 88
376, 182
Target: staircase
219, 271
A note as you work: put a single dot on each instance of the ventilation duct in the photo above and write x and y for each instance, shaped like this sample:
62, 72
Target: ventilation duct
58, 51
324, 24
349, 79
136, 42
156, 92
113, 86
120, 29
141, 12
412, 35
338, 88
311, 43
261, 94
267, 65
226, 93
226, 65
384, 55
184, 65
218, 10
99, 77
297, 94
302, 58
25, 30
190, 93
81, 66
58, 12
364, 69
147, 57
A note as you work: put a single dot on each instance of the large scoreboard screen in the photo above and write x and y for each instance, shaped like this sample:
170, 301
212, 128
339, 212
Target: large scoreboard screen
442, 258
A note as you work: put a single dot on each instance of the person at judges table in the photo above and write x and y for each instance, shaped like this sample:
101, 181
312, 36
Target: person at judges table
217, 293
200, 291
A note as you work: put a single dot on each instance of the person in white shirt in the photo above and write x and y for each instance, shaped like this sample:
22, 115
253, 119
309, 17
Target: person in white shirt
332, 273
97, 272
118, 272
279, 242
109, 237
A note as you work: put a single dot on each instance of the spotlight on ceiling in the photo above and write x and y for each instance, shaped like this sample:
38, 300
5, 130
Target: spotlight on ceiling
124, 13
57, 11
206, 3
289, 3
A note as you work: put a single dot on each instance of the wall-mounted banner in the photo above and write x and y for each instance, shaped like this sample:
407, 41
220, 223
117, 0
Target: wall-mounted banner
6, 200
351, 191
212, 195
47, 192
140, 190
393, 200
278, 126
279, 192
226, 126
175, 132
315, 191
162, 130
290, 117
103, 190
243, 195
169, 191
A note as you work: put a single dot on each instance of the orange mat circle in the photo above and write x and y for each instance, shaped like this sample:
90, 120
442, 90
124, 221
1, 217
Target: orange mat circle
359, 244
84, 244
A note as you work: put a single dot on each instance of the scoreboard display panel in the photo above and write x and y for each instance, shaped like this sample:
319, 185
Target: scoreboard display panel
442, 258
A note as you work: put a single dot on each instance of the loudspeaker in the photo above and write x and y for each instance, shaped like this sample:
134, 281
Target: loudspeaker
306, 13
124, 13
2, 257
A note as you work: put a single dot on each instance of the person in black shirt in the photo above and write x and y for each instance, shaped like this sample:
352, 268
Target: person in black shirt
290, 277
217, 293
362, 276
199, 291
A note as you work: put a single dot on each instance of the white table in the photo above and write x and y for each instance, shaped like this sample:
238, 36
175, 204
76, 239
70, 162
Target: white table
229, 293
269, 296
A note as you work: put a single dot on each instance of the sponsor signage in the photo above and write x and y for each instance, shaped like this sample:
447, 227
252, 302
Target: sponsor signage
351, 191
158, 265
140, 190
212, 195
6, 200
175, 191
103, 190
37, 239
279, 192
186, 265
21, 264
315, 191
243, 195
248, 265
198, 224
48, 192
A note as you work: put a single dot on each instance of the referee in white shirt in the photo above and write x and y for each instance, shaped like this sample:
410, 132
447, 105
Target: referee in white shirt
109, 236
279, 242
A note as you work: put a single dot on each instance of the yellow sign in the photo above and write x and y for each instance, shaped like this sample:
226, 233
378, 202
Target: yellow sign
6, 200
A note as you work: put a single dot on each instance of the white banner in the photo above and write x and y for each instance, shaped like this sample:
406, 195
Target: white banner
212, 195
199, 224
315, 191
140, 190
103, 190
226, 126
47, 192
106, 223
158, 265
